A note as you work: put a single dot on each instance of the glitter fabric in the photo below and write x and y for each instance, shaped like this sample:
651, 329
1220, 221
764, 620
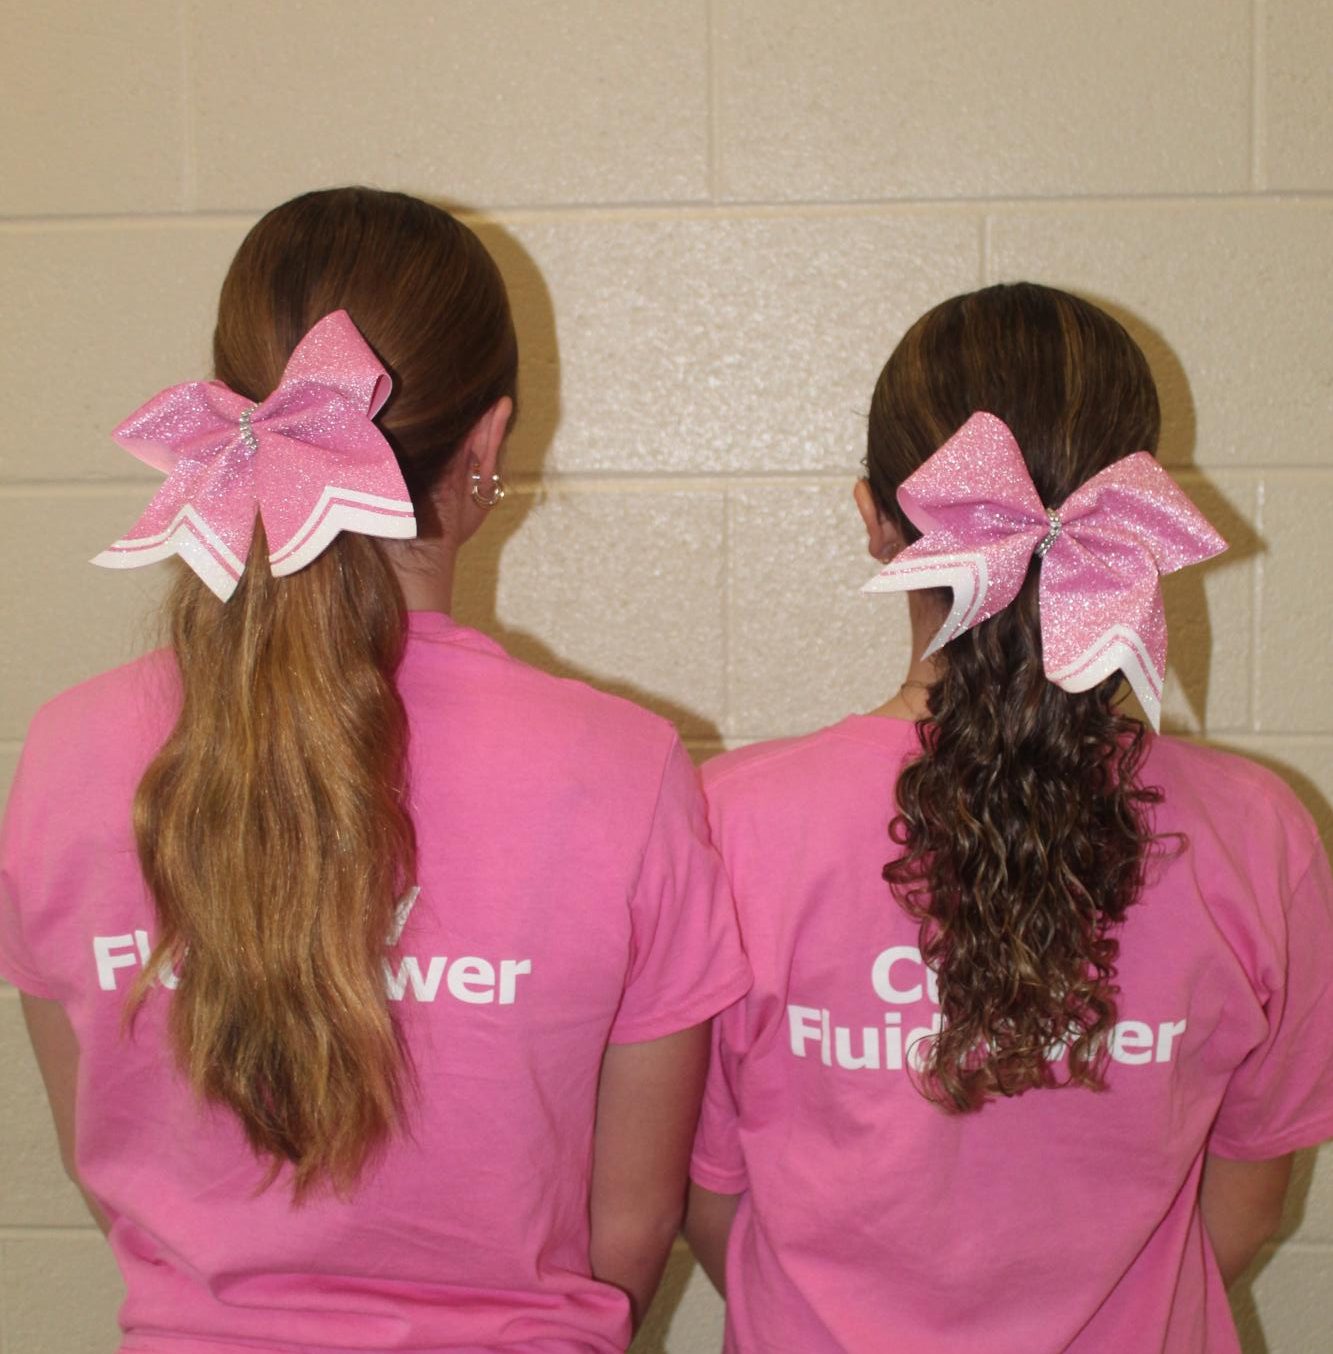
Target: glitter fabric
308, 458
1101, 554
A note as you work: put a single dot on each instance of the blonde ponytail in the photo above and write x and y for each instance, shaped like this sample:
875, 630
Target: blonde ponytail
273, 826
274, 834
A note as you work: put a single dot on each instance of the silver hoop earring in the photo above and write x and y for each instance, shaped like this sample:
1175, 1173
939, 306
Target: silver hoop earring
491, 499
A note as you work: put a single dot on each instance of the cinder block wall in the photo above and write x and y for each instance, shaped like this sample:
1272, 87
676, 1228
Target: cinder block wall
716, 217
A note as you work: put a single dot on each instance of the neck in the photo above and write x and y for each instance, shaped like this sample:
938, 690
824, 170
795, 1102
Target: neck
425, 570
909, 702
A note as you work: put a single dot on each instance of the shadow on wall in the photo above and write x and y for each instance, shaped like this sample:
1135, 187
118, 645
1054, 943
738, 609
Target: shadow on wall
477, 583
1186, 602
1191, 653
656, 1334
1243, 1305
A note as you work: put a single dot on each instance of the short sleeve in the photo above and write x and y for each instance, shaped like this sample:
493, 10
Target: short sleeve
717, 1162
17, 965
1280, 1098
686, 962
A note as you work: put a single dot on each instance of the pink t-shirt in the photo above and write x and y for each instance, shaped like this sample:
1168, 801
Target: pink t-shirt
568, 897
873, 1222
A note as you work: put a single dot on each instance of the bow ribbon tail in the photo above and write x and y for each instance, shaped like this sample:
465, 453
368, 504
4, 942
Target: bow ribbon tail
966, 576
1086, 639
983, 580
189, 517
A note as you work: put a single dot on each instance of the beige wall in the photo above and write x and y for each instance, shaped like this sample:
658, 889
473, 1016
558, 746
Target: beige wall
716, 217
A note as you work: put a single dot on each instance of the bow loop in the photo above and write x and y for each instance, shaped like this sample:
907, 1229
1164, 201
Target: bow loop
334, 357
308, 458
195, 420
1141, 500
982, 520
1100, 554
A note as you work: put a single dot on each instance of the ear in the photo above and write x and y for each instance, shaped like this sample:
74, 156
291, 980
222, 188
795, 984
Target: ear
883, 539
481, 447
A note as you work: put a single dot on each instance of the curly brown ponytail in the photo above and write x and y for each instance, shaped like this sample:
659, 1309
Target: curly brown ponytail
1024, 827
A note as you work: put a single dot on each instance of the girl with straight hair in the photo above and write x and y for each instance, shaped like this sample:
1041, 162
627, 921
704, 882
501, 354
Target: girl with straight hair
1041, 1005
368, 969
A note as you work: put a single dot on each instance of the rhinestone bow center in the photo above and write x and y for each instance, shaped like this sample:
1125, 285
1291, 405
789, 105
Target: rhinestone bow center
1052, 535
247, 432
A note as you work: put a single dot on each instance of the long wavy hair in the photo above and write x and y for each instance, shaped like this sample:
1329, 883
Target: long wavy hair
273, 827
1024, 829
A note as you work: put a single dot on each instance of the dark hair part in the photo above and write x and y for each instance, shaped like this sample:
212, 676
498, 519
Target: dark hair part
273, 826
1024, 828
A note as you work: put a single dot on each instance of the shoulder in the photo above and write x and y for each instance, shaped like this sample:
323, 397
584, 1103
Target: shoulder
566, 707
464, 690
111, 704
1229, 795
86, 748
731, 773
577, 701
606, 728
795, 771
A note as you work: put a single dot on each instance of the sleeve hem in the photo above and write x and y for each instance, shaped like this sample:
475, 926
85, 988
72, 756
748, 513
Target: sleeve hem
716, 1179
683, 1017
21, 979
1311, 1134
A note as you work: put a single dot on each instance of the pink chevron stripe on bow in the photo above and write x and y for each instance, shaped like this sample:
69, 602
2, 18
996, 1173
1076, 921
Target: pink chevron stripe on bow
309, 459
1101, 554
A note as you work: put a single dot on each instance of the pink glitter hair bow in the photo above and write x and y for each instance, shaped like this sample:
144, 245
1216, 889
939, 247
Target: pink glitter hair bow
308, 459
1101, 554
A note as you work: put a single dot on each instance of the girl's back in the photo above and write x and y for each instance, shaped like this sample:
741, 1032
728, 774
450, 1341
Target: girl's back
1040, 1006
1059, 1219
555, 826
368, 970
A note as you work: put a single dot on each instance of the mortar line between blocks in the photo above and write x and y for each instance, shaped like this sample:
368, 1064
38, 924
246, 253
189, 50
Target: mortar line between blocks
1270, 738
20, 489
726, 608
711, 100
1298, 1244
594, 482
656, 482
669, 209
1258, 93
985, 249
56, 1232
189, 130
1257, 610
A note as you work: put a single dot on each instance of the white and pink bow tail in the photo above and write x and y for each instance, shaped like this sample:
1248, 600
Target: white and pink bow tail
326, 468
1101, 599
204, 510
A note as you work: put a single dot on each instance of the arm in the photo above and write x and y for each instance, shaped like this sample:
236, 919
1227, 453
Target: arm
708, 1220
57, 1051
647, 1107
1241, 1203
